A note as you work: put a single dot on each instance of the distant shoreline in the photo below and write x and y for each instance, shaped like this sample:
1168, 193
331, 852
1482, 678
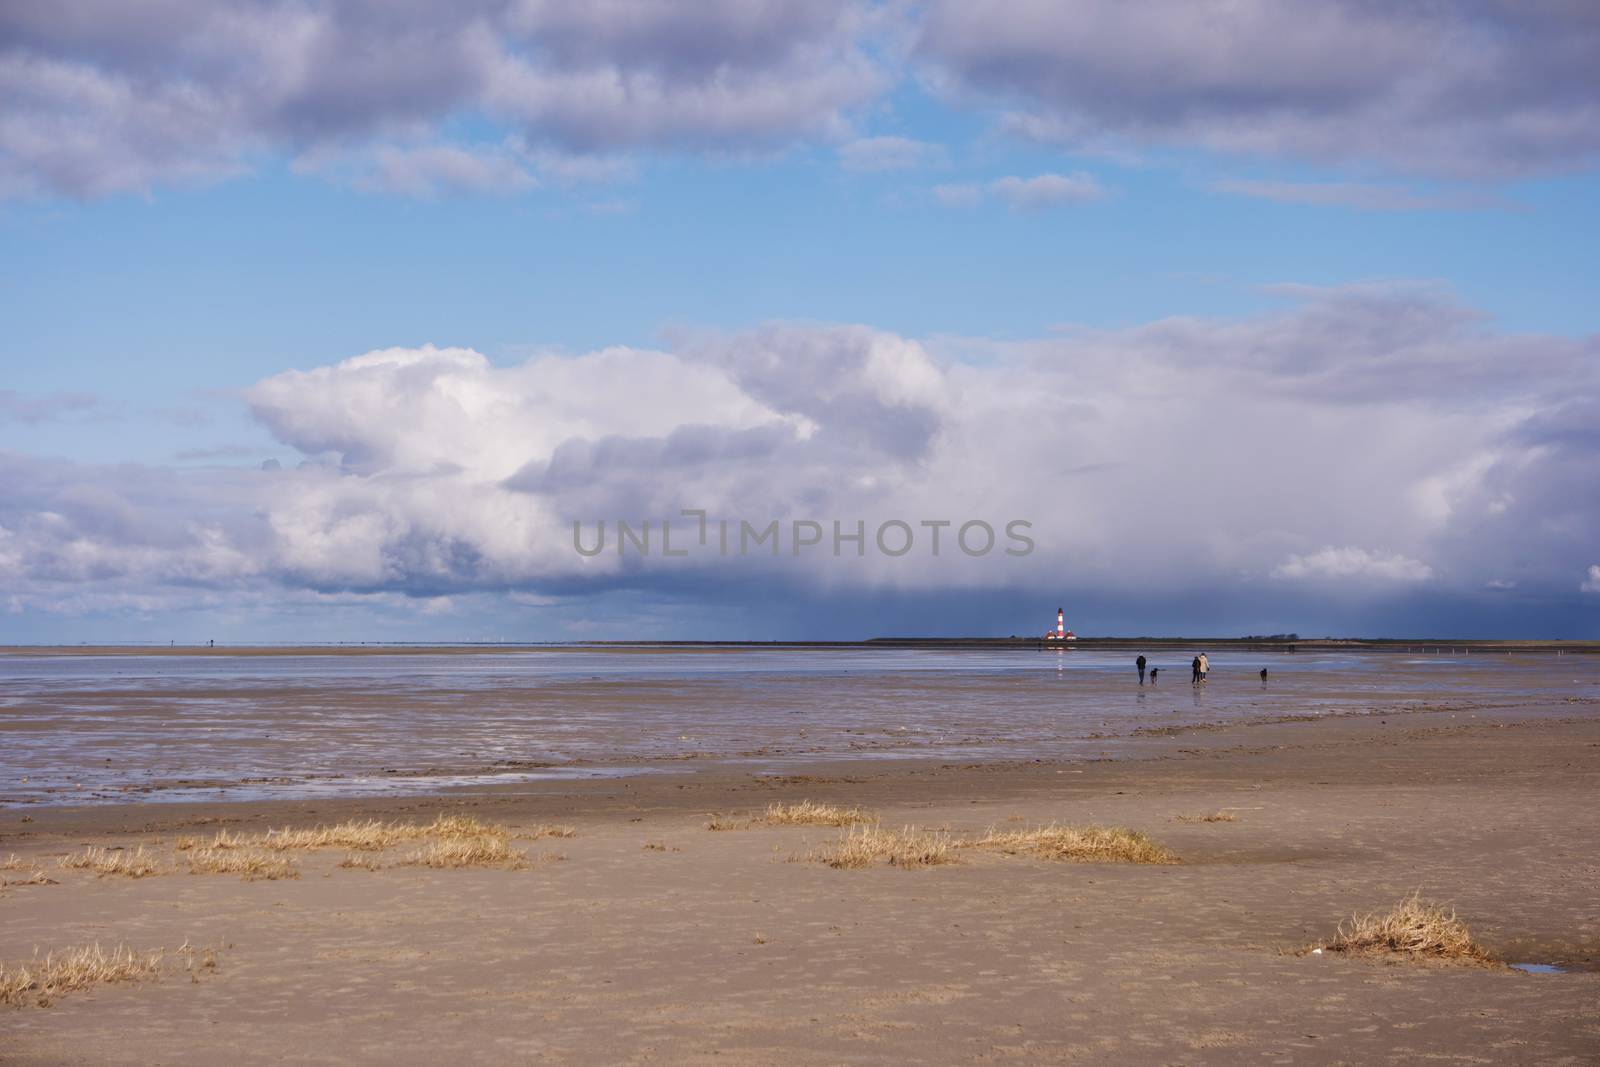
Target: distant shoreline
1428, 646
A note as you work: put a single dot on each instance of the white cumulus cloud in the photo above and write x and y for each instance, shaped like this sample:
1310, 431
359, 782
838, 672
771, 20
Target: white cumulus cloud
1384, 439
1355, 564
1046, 190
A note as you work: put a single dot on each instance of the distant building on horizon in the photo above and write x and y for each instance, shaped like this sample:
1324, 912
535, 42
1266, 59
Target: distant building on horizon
1061, 633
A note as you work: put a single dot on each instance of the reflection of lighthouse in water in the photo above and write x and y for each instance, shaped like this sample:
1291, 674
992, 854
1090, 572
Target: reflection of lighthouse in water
1061, 632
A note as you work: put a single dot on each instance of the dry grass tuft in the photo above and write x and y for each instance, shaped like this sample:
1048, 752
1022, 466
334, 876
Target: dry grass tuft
35, 875
483, 850
809, 813
222, 840
1216, 816
451, 841
542, 831
136, 863
79, 968
249, 863
1102, 844
197, 960
864, 845
727, 822
1412, 929
371, 835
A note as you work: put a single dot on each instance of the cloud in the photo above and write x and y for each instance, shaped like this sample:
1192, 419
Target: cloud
1383, 440
888, 153
958, 195
634, 73
218, 453
51, 407
417, 410
428, 170
1046, 190
565, 168
1484, 88
1352, 564
1358, 195
1593, 583
101, 99
1024, 194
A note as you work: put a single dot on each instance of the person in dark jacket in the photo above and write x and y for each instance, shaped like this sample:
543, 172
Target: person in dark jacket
1195, 667
1140, 664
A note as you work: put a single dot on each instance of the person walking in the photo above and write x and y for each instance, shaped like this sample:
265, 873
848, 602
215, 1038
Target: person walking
1194, 668
1205, 666
1140, 664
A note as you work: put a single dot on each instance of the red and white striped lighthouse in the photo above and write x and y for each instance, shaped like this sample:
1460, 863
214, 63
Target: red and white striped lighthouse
1061, 624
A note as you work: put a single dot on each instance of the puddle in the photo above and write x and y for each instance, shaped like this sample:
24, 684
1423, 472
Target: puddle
1537, 968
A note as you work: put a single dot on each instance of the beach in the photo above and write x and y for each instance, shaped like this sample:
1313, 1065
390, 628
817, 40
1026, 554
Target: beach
636, 933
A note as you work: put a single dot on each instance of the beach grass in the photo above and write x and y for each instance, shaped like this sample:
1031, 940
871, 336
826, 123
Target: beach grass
810, 813
129, 863
1215, 816
462, 850
870, 843
802, 813
544, 830
449, 841
1412, 929
41, 979
35, 877
35, 874
251, 864
365, 835
373, 835
1088, 844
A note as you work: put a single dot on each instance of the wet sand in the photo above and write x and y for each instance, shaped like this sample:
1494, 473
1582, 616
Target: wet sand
715, 948
118, 729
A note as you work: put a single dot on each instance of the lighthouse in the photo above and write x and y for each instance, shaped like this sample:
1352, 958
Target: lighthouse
1061, 633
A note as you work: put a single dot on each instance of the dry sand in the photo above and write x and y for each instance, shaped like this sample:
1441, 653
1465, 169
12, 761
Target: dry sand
657, 939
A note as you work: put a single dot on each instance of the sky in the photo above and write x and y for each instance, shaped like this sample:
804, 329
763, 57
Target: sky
362, 321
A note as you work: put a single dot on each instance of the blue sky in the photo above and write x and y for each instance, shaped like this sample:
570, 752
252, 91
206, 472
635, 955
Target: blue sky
171, 248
